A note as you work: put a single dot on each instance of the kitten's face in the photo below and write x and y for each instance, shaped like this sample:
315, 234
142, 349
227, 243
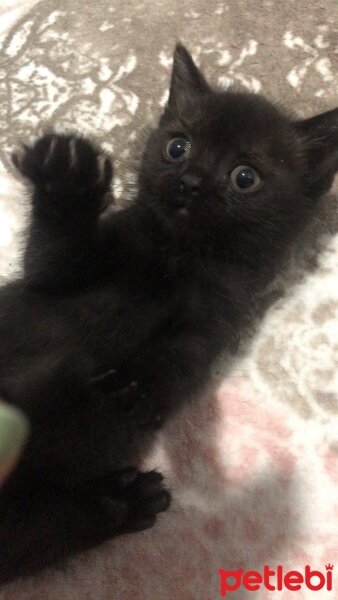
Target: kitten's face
233, 158
225, 159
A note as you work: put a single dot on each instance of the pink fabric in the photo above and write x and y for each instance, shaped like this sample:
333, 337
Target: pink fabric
244, 478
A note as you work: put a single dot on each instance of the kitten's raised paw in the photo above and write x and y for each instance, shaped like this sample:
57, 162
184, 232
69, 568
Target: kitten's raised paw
138, 496
65, 162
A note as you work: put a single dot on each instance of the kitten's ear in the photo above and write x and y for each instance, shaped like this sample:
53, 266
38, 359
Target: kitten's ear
320, 134
187, 81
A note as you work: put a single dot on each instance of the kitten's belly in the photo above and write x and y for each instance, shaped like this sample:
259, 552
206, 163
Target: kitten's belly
95, 329
113, 324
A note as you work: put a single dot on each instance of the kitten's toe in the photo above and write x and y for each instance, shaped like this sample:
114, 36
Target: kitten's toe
126, 477
150, 484
35, 161
24, 162
87, 166
144, 515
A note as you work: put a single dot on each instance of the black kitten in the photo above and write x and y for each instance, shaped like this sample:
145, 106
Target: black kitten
118, 320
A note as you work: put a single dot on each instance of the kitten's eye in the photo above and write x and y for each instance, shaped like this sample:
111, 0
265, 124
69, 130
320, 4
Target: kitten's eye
177, 149
245, 179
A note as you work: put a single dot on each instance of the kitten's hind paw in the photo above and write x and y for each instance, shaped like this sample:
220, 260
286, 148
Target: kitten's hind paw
65, 163
130, 500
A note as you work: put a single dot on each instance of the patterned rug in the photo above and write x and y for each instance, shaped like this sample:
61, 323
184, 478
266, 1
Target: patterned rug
254, 468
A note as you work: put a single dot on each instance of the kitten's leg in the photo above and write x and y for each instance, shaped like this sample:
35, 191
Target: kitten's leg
70, 178
41, 526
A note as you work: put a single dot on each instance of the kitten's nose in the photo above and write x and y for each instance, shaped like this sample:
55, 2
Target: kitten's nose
190, 184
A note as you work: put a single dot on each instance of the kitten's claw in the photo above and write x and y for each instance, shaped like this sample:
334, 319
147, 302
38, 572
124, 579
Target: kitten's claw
72, 153
51, 151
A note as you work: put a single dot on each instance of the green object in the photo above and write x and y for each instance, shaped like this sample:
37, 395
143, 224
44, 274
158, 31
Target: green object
14, 429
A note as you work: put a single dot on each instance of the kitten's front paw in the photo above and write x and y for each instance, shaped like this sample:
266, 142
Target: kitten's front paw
65, 162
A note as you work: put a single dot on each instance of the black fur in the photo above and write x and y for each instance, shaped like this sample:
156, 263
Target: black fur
118, 320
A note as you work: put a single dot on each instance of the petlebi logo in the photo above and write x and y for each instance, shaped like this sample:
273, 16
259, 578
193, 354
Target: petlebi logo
277, 580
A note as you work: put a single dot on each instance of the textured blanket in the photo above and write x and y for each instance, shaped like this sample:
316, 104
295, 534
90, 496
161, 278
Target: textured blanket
254, 468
